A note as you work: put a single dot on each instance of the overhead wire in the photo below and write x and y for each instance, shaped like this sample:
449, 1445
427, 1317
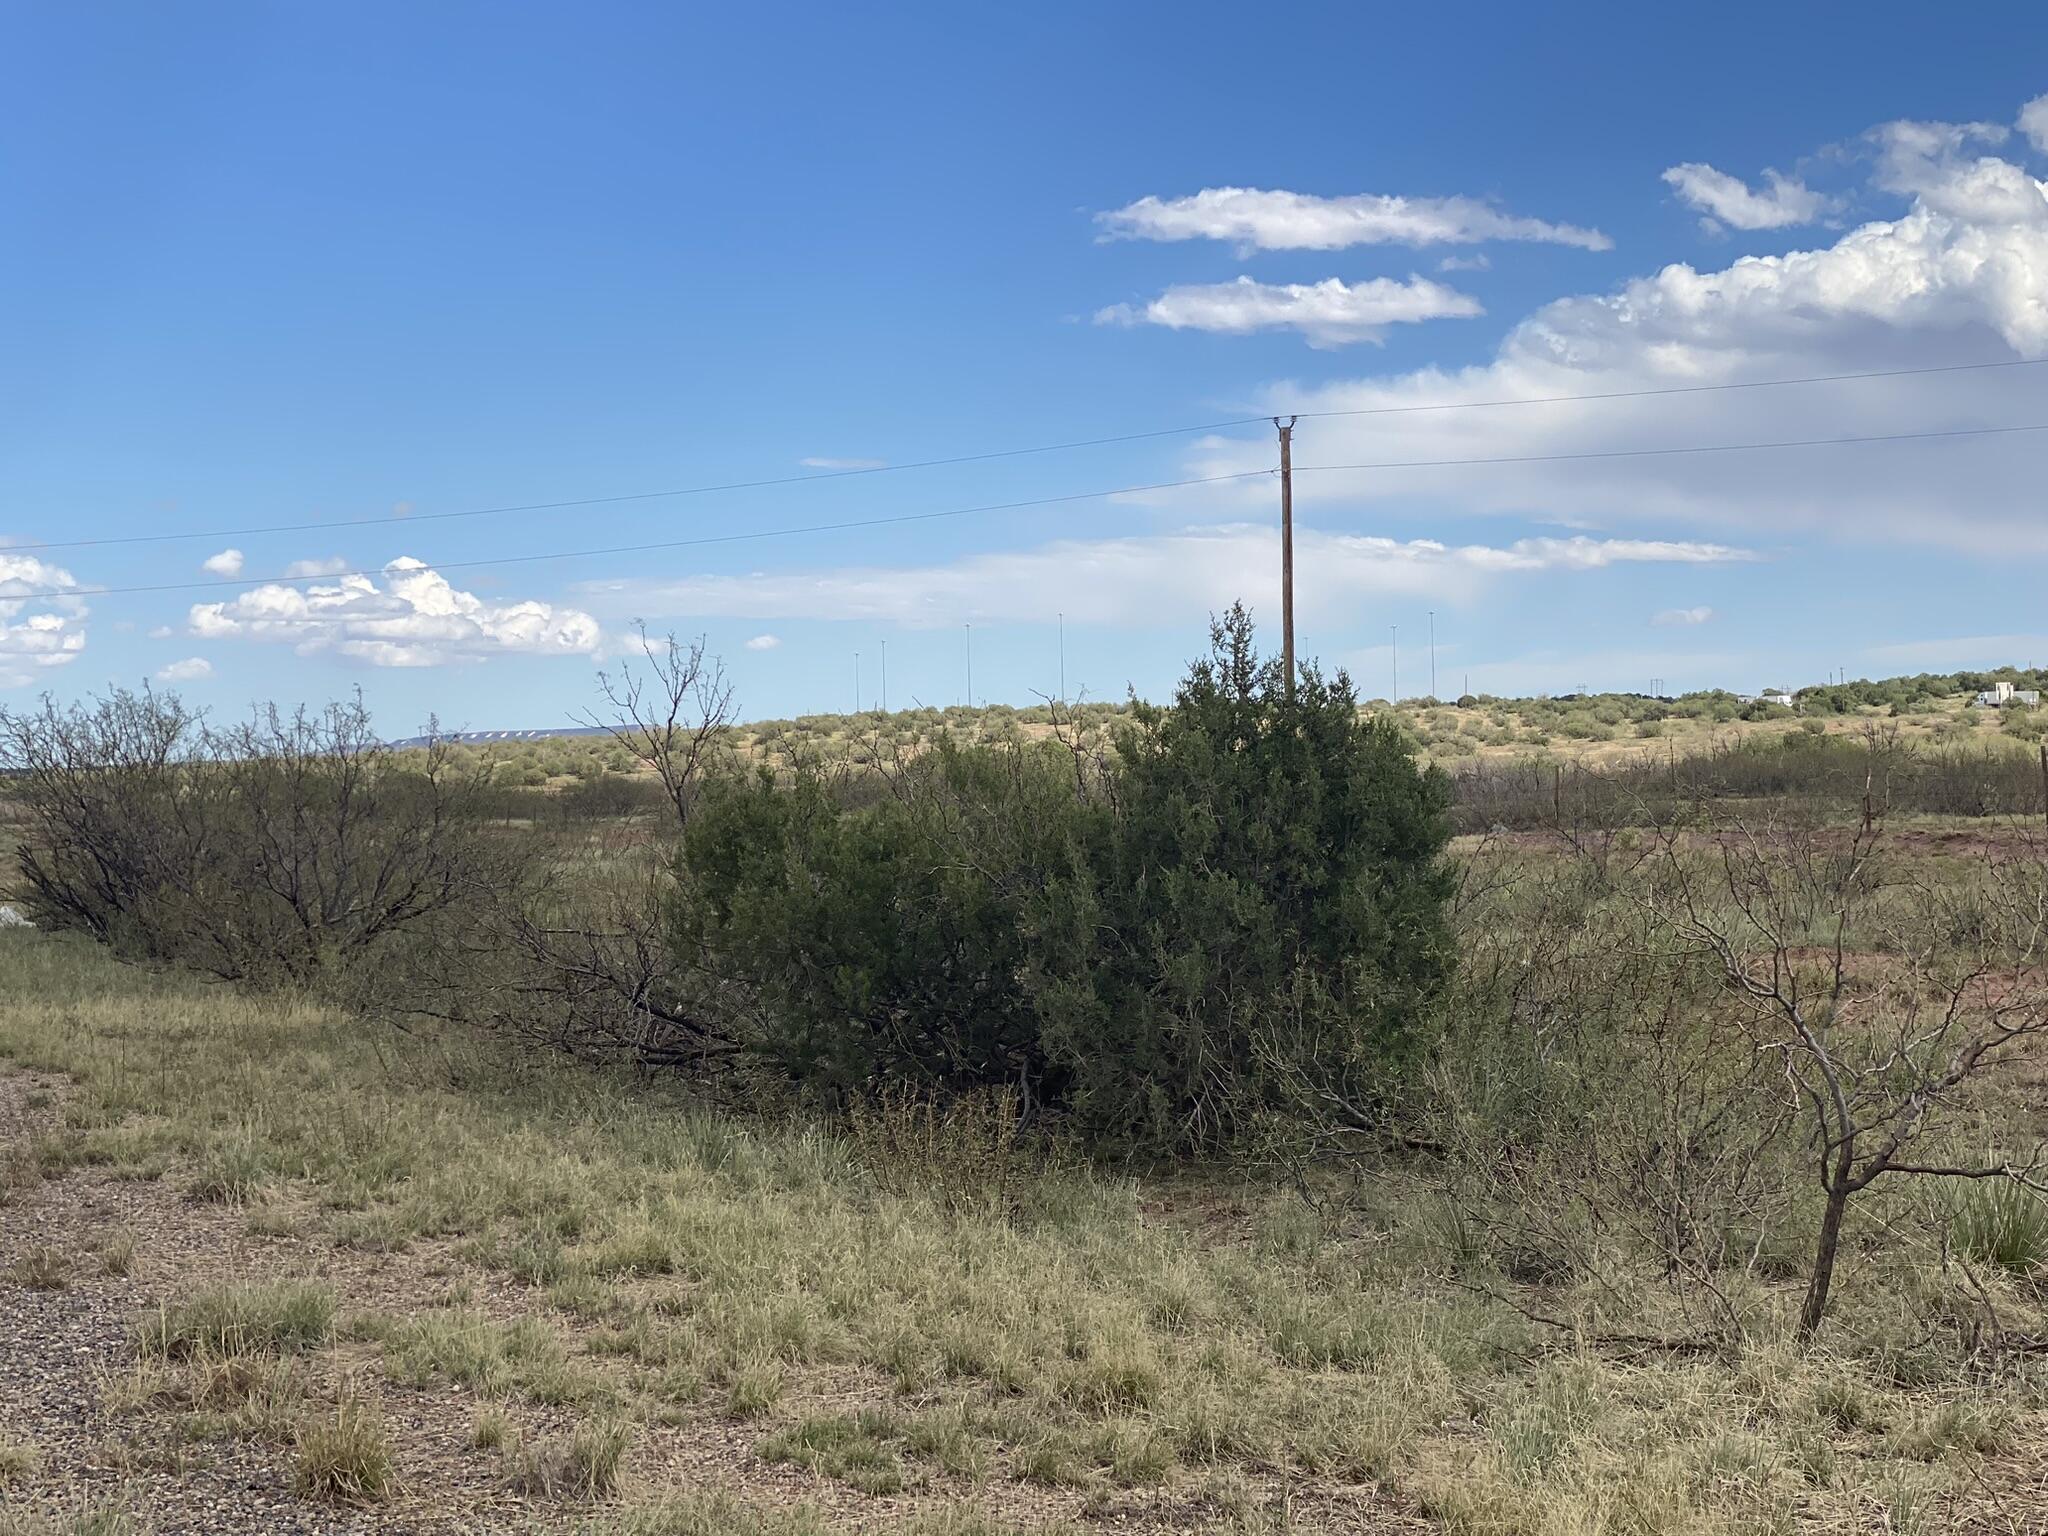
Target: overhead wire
392, 520
748, 535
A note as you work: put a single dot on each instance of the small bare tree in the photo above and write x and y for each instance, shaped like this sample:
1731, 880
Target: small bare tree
674, 718
578, 959
1881, 999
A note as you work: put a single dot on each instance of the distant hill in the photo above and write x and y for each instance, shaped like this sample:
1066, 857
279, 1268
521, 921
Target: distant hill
472, 737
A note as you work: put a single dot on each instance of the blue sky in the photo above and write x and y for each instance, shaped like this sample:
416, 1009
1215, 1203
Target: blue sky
314, 264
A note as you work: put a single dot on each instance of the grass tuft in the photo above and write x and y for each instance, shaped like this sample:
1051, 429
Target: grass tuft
856, 1450
584, 1466
281, 1318
18, 1463
2002, 1222
344, 1456
42, 1267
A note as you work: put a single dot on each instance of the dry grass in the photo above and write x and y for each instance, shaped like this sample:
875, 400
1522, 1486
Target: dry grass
1066, 1342
585, 1464
343, 1454
235, 1320
42, 1267
18, 1463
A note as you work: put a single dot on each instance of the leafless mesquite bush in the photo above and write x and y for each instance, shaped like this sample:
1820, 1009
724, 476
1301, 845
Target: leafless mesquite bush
1879, 998
570, 953
1699, 1041
278, 850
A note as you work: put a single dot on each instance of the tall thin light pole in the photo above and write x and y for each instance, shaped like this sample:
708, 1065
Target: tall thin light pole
970, 665
1432, 654
1395, 631
1287, 548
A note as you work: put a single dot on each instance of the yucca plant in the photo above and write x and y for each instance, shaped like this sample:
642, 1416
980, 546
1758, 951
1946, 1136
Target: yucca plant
2001, 1221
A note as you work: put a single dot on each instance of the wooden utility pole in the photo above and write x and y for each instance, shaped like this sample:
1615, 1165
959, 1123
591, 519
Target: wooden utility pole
1287, 548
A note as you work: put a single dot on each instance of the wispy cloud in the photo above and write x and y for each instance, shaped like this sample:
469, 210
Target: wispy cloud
330, 565
1329, 314
1262, 220
764, 642
1145, 580
1679, 617
1724, 199
825, 463
227, 563
190, 670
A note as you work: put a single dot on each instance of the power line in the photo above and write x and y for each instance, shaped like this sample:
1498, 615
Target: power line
1653, 453
631, 496
911, 517
627, 498
13, 594
1039, 501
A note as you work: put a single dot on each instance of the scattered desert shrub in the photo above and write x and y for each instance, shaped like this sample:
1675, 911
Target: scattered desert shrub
42, 1267
267, 852
886, 944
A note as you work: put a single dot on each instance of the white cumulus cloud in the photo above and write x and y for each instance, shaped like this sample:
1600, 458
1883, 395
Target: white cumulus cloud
191, 669
1255, 219
1331, 313
1673, 617
1956, 274
1171, 578
227, 563
42, 619
764, 642
2034, 123
1781, 202
413, 619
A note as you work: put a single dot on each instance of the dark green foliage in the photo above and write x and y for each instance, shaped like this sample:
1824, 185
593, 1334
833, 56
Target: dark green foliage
1244, 903
884, 944
1268, 901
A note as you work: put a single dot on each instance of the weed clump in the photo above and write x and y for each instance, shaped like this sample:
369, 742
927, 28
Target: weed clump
344, 1456
282, 1318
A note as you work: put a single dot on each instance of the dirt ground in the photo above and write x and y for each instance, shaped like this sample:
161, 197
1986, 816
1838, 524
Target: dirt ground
69, 1370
